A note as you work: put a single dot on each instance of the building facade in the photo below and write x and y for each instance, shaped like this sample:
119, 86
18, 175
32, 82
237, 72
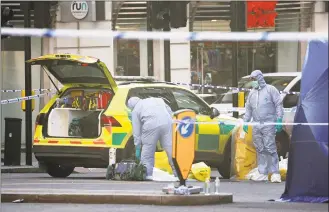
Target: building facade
130, 57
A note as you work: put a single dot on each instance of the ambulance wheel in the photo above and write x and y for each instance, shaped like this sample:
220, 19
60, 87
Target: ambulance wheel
225, 167
59, 171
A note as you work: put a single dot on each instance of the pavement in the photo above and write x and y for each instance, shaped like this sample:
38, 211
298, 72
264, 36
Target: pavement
247, 196
22, 168
235, 207
91, 187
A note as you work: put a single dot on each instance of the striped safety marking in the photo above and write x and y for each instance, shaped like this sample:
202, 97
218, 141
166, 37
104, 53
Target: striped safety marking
75, 142
99, 142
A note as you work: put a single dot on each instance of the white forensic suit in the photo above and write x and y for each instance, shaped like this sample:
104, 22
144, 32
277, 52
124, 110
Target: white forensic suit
152, 122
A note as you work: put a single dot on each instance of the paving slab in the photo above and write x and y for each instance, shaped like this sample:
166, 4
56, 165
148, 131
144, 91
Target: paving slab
21, 169
92, 188
95, 182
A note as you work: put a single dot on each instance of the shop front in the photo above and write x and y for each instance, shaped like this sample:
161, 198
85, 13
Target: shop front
211, 62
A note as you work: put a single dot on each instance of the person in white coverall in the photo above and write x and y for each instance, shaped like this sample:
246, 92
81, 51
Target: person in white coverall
151, 122
264, 104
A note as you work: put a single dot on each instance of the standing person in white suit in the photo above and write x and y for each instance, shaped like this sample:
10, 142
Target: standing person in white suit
264, 104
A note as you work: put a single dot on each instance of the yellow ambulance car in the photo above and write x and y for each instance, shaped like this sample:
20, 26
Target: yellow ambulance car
88, 116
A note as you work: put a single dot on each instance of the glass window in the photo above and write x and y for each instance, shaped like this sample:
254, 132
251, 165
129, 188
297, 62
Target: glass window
187, 100
296, 87
144, 93
280, 82
72, 72
128, 58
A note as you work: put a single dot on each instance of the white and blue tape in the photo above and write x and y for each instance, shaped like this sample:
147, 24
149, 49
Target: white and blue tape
142, 35
233, 89
240, 123
242, 109
20, 90
226, 122
19, 99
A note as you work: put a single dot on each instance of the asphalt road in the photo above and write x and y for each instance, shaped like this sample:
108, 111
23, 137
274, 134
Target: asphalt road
235, 207
247, 196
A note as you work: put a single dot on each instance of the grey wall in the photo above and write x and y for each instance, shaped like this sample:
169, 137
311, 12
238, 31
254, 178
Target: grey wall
13, 77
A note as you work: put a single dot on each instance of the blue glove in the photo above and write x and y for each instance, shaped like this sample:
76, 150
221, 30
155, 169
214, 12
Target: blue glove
278, 127
245, 128
138, 152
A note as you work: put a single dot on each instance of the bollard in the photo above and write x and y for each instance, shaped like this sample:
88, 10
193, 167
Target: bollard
13, 131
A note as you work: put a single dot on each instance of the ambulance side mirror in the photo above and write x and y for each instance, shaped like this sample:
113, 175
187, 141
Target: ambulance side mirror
214, 113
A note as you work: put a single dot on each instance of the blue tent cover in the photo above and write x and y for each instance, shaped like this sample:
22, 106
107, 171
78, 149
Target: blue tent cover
307, 175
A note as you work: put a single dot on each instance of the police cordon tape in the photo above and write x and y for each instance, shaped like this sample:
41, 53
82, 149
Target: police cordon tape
234, 89
242, 109
227, 122
38, 90
240, 123
19, 99
144, 35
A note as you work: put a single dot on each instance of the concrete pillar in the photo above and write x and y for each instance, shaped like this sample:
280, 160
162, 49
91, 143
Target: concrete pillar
180, 57
47, 48
287, 55
115, 55
143, 63
320, 19
158, 59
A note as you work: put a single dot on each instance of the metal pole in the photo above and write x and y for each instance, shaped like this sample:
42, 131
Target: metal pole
28, 87
235, 75
202, 88
197, 64
166, 49
149, 42
239, 14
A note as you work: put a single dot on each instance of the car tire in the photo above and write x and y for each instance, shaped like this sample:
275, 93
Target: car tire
225, 167
59, 171
282, 141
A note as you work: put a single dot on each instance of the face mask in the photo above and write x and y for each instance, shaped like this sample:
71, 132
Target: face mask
254, 84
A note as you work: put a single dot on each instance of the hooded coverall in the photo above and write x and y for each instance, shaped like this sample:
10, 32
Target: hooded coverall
152, 122
264, 104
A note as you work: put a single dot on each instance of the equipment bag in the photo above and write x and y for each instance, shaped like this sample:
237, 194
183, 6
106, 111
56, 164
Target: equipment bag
74, 127
89, 125
127, 170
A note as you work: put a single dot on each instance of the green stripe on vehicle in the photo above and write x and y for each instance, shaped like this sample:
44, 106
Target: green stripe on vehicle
225, 128
208, 142
117, 138
196, 129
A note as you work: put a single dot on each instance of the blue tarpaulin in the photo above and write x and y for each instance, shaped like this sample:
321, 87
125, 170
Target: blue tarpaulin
307, 175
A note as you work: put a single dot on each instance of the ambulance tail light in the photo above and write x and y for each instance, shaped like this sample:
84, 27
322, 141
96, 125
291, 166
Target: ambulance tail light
109, 121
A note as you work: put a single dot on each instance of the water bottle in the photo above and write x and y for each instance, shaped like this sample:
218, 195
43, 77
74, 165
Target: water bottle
207, 187
217, 183
171, 188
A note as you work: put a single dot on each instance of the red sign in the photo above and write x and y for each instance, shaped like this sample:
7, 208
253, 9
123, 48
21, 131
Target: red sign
261, 14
